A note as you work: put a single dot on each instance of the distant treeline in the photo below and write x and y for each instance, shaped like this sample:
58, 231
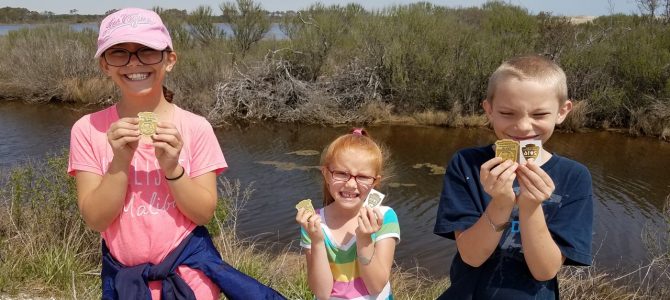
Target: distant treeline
19, 15
347, 64
14, 15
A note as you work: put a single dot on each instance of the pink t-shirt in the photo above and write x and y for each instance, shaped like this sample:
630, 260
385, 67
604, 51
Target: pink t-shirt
150, 225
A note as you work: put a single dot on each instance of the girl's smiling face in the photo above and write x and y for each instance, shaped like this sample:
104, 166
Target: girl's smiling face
137, 78
350, 194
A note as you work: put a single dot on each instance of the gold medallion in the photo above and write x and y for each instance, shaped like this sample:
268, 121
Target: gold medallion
530, 151
507, 149
307, 205
148, 121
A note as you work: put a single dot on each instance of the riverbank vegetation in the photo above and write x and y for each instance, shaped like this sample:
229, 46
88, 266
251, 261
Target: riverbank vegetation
417, 63
46, 250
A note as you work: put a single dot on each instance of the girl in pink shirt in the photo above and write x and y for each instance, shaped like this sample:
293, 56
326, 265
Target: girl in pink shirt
145, 186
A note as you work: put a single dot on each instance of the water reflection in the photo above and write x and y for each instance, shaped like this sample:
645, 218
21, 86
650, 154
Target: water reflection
281, 160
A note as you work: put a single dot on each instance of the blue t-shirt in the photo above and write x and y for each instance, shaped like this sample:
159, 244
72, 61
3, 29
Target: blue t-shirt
505, 275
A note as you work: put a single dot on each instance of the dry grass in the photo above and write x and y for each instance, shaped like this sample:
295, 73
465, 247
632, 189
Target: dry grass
577, 118
94, 90
653, 119
46, 250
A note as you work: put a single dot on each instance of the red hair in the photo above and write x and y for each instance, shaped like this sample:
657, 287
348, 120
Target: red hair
358, 139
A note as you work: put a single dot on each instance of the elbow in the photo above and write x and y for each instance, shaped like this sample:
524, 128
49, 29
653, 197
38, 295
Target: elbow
377, 286
323, 296
94, 226
472, 261
544, 275
93, 222
375, 290
206, 213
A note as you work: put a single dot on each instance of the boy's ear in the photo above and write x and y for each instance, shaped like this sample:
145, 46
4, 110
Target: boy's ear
563, 111
486, 104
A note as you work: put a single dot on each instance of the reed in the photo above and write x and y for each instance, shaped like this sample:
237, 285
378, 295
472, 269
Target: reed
47, 251
342, 62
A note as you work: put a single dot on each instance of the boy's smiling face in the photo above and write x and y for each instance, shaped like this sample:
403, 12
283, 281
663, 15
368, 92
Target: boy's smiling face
525, 110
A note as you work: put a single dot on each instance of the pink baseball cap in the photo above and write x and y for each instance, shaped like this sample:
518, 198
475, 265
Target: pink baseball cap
133, 25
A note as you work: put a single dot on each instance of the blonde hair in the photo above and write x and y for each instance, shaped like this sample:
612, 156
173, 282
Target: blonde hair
530, 67
357, 139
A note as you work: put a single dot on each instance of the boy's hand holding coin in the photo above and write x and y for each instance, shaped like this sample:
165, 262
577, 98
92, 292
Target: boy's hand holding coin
498, 174
535, 185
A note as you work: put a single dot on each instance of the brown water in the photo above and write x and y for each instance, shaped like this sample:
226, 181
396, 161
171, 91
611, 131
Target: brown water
630, 177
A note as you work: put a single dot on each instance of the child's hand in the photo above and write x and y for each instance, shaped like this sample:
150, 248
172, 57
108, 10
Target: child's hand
369, 221
167, 143
123, 136
535, 185
311, 223
497, 177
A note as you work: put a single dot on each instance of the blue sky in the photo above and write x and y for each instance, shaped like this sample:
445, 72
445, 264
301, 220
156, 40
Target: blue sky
557, 7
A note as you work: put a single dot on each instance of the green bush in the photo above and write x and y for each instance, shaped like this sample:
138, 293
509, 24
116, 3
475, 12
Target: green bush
339, 60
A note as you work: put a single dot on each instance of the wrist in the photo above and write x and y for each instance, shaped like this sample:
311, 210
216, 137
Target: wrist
497, 226
176, 173
363, 239
364, 259
527, 205
502, 203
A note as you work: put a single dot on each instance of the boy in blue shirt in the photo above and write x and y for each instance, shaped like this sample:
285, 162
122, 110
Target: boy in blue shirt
516, 224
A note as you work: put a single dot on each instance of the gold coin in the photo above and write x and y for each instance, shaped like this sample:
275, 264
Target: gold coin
307, 205
507, 149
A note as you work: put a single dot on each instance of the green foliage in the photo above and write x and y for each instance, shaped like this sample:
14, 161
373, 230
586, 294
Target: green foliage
408, 59
43, 240
248, 21
12, 15
202, 27
315, 32
174, 21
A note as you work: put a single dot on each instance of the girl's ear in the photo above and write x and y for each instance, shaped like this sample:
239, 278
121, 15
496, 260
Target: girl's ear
324, 172
104, 66
378, 182
171, 60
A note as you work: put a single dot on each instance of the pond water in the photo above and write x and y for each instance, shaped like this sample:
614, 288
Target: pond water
630, 177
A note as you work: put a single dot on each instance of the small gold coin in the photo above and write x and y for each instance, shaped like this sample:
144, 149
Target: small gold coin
374, 200
307, 205
148, 121
530, 151
507, 149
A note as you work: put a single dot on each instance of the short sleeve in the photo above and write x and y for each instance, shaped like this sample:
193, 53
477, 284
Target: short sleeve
572, 226
82, 156
206, 151
457, 209
390, 226
305, 241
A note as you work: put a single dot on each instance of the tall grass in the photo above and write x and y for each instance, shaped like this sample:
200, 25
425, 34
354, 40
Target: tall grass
341, 60
46, 250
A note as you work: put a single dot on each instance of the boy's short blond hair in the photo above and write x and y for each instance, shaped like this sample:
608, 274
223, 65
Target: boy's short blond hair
530, 67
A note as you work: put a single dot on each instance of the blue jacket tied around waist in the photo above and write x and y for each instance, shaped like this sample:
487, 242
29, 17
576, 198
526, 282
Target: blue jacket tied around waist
197, 252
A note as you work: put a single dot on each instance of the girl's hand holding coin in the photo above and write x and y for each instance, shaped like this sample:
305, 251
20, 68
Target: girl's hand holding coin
123, 136
167, 143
